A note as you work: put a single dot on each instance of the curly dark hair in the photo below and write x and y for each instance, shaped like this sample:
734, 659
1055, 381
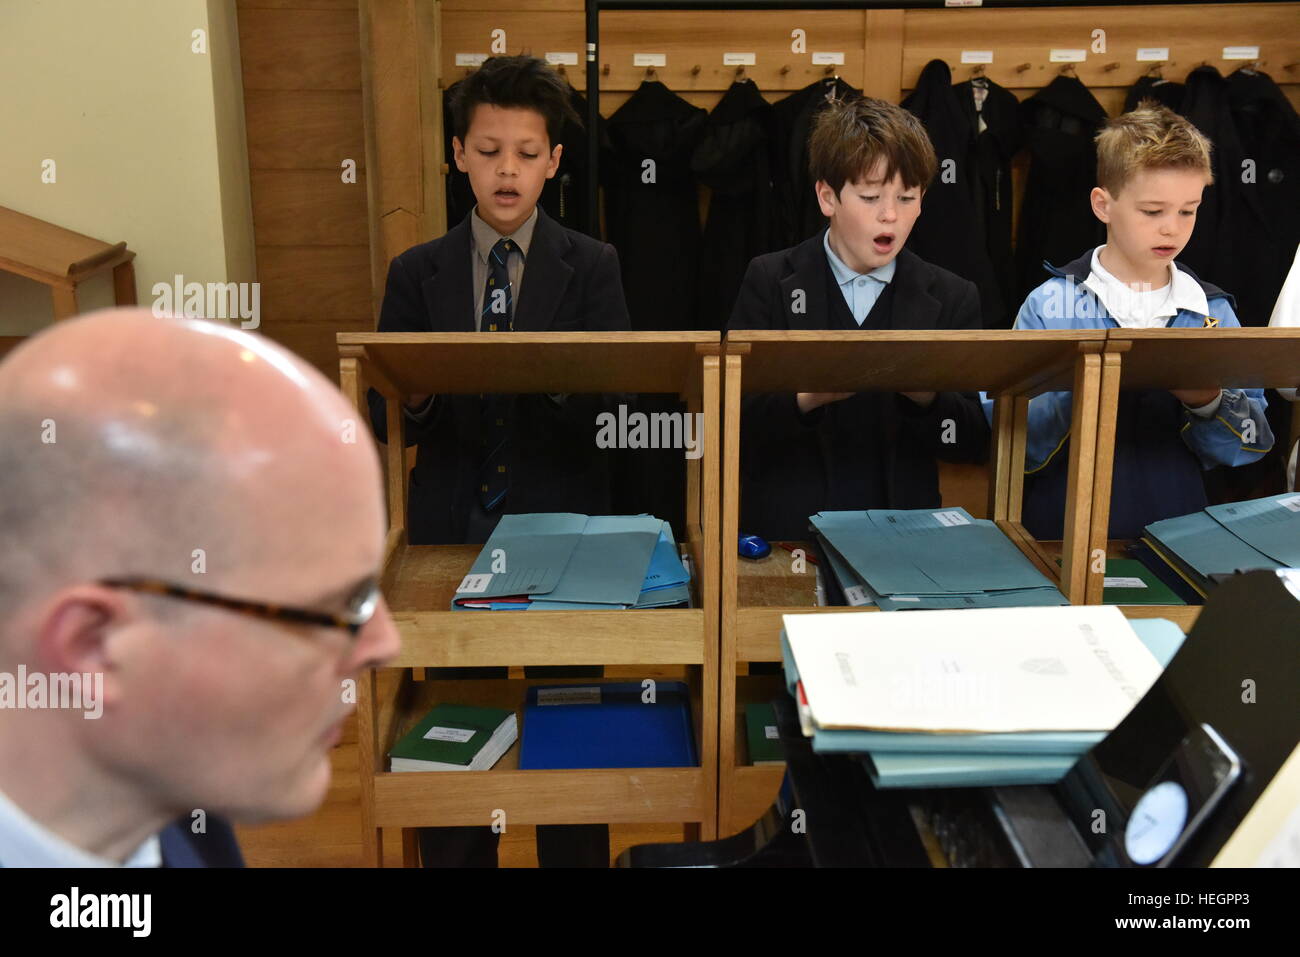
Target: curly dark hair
523, 82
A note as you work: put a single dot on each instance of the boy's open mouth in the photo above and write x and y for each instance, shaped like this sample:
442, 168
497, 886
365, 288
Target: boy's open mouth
883, 243
1164, 250
506, 195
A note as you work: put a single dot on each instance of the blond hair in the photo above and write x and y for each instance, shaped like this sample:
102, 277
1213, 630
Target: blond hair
1150, 137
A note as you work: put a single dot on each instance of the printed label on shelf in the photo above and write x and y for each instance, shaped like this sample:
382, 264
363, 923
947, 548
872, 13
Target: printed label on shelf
828, 59
1153, 53
470, 59
474, 584
1069, 56
770, 731
963, 3
569, 695
739, 59
455, 735
649, 59
562, 59
976, 56
1120, 582
950, 519
1241, 53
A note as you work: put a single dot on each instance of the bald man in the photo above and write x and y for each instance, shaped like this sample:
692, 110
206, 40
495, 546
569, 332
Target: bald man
192, 520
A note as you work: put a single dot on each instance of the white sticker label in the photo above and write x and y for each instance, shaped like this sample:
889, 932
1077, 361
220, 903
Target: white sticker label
963, 3
1241, 53
455, 735
739, 59
903, 598
1153, 53
828, 59
1119, 582
976, 56
855, 595
562, 59
770, 731
568, 695
649, 59
1293, 503
1068, 56
474, 584
470, 59
950, 519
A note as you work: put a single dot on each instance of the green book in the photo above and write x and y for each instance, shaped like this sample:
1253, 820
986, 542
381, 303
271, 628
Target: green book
456, 737
1129, 582
760, 730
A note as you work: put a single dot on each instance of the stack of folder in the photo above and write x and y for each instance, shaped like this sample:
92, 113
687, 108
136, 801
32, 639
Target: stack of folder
910, 559
981, 698
558, 560
1222, 539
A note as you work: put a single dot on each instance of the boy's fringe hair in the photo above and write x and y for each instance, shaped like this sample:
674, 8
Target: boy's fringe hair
1149, 137
850, 136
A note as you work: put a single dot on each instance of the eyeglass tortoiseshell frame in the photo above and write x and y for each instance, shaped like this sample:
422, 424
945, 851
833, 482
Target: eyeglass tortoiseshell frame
363, 603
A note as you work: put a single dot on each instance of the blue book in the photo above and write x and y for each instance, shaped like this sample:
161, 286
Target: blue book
608, 726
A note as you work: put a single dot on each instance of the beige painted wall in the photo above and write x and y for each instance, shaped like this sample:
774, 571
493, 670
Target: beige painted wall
147, 135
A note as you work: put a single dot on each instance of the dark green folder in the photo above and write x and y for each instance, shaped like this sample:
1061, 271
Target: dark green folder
764, 746
1152, 591
482, 721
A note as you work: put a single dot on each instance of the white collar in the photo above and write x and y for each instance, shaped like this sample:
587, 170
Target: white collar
1121, 300
25, 843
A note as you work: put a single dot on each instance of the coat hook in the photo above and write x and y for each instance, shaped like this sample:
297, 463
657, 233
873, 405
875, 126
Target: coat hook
977, 70
1023, 67
1291, 66
695, 70
829, 70
1068, 70
650, 73
786, 69
604, 71
1109, 67
740, 73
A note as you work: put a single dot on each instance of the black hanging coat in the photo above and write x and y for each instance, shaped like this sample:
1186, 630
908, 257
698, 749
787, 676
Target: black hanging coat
965, 221
732, 160
1056, 220
655, 225
797, 215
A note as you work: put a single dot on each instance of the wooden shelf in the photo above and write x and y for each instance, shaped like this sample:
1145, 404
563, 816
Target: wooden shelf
420, 581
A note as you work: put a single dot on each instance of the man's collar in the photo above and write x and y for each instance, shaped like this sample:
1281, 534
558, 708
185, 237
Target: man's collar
26, 843
843, 274
485, 237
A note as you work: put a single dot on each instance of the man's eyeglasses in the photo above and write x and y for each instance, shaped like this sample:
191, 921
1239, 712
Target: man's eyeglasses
361, 606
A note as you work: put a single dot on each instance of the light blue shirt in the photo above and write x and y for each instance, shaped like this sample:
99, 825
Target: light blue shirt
25, 843
861, 290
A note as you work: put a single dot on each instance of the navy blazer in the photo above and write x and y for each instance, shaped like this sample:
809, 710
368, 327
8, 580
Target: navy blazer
787, 458
571, 284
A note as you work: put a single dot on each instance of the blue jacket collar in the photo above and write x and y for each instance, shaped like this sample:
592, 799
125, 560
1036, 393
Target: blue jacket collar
1079, 270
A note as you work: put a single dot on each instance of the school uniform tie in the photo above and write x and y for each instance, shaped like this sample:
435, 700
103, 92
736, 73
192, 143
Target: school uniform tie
497, 316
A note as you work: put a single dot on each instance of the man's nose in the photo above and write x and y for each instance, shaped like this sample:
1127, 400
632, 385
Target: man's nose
377, 643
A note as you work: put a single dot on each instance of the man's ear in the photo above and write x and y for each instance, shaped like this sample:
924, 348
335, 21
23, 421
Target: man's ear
1101, 200
73, 631
554, 164
826, 198
458, 153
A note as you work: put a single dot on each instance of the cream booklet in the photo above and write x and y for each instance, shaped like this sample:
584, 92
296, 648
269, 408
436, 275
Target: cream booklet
1073, 668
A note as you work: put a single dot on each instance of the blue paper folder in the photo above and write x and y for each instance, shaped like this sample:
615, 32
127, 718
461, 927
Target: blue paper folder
608, 726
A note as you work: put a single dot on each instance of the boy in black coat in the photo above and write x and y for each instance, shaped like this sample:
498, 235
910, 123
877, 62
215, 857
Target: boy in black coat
870, 161
483, 457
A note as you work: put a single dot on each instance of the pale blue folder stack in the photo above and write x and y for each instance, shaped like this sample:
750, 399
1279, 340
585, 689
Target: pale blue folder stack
1222, 539
562, 561
901, 559
922, 759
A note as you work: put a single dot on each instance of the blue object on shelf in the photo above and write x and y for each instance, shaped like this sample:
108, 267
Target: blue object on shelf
753, 547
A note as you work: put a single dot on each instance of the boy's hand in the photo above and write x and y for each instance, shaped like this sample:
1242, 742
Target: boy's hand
808, 401
1195, 398
923, 399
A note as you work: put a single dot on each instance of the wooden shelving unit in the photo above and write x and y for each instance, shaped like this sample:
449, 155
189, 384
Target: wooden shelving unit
1011, 366
62, 260
419, 582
